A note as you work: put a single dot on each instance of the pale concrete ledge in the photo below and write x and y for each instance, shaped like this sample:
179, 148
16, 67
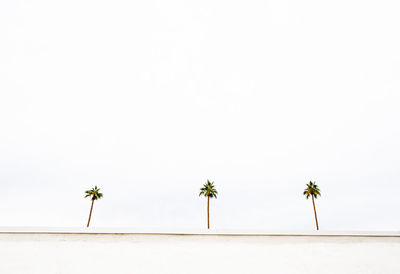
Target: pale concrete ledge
216, 232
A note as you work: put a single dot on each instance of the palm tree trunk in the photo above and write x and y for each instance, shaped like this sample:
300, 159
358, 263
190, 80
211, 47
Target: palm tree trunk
90, 214
315, 212
208, 212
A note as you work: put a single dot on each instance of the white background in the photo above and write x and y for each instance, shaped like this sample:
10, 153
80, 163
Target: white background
149, 99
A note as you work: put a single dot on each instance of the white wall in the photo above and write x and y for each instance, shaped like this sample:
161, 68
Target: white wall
137, 253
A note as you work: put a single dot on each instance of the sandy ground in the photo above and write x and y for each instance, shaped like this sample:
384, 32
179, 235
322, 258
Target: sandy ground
175, 254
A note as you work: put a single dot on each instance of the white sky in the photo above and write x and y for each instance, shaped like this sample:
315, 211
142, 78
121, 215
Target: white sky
149, 99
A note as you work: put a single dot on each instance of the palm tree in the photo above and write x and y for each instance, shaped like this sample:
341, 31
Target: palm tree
313, 191
95, 194
208, 190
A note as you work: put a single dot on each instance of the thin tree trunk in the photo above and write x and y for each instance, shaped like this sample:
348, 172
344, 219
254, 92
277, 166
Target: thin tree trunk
208, 212
315, 212
90, 214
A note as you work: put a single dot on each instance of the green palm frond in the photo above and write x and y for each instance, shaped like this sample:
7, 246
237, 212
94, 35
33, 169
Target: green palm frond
208, 190
94, 193
311, 190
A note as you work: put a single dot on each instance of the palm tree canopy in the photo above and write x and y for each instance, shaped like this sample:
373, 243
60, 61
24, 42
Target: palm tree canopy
311, 190
208, 190
94, 193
